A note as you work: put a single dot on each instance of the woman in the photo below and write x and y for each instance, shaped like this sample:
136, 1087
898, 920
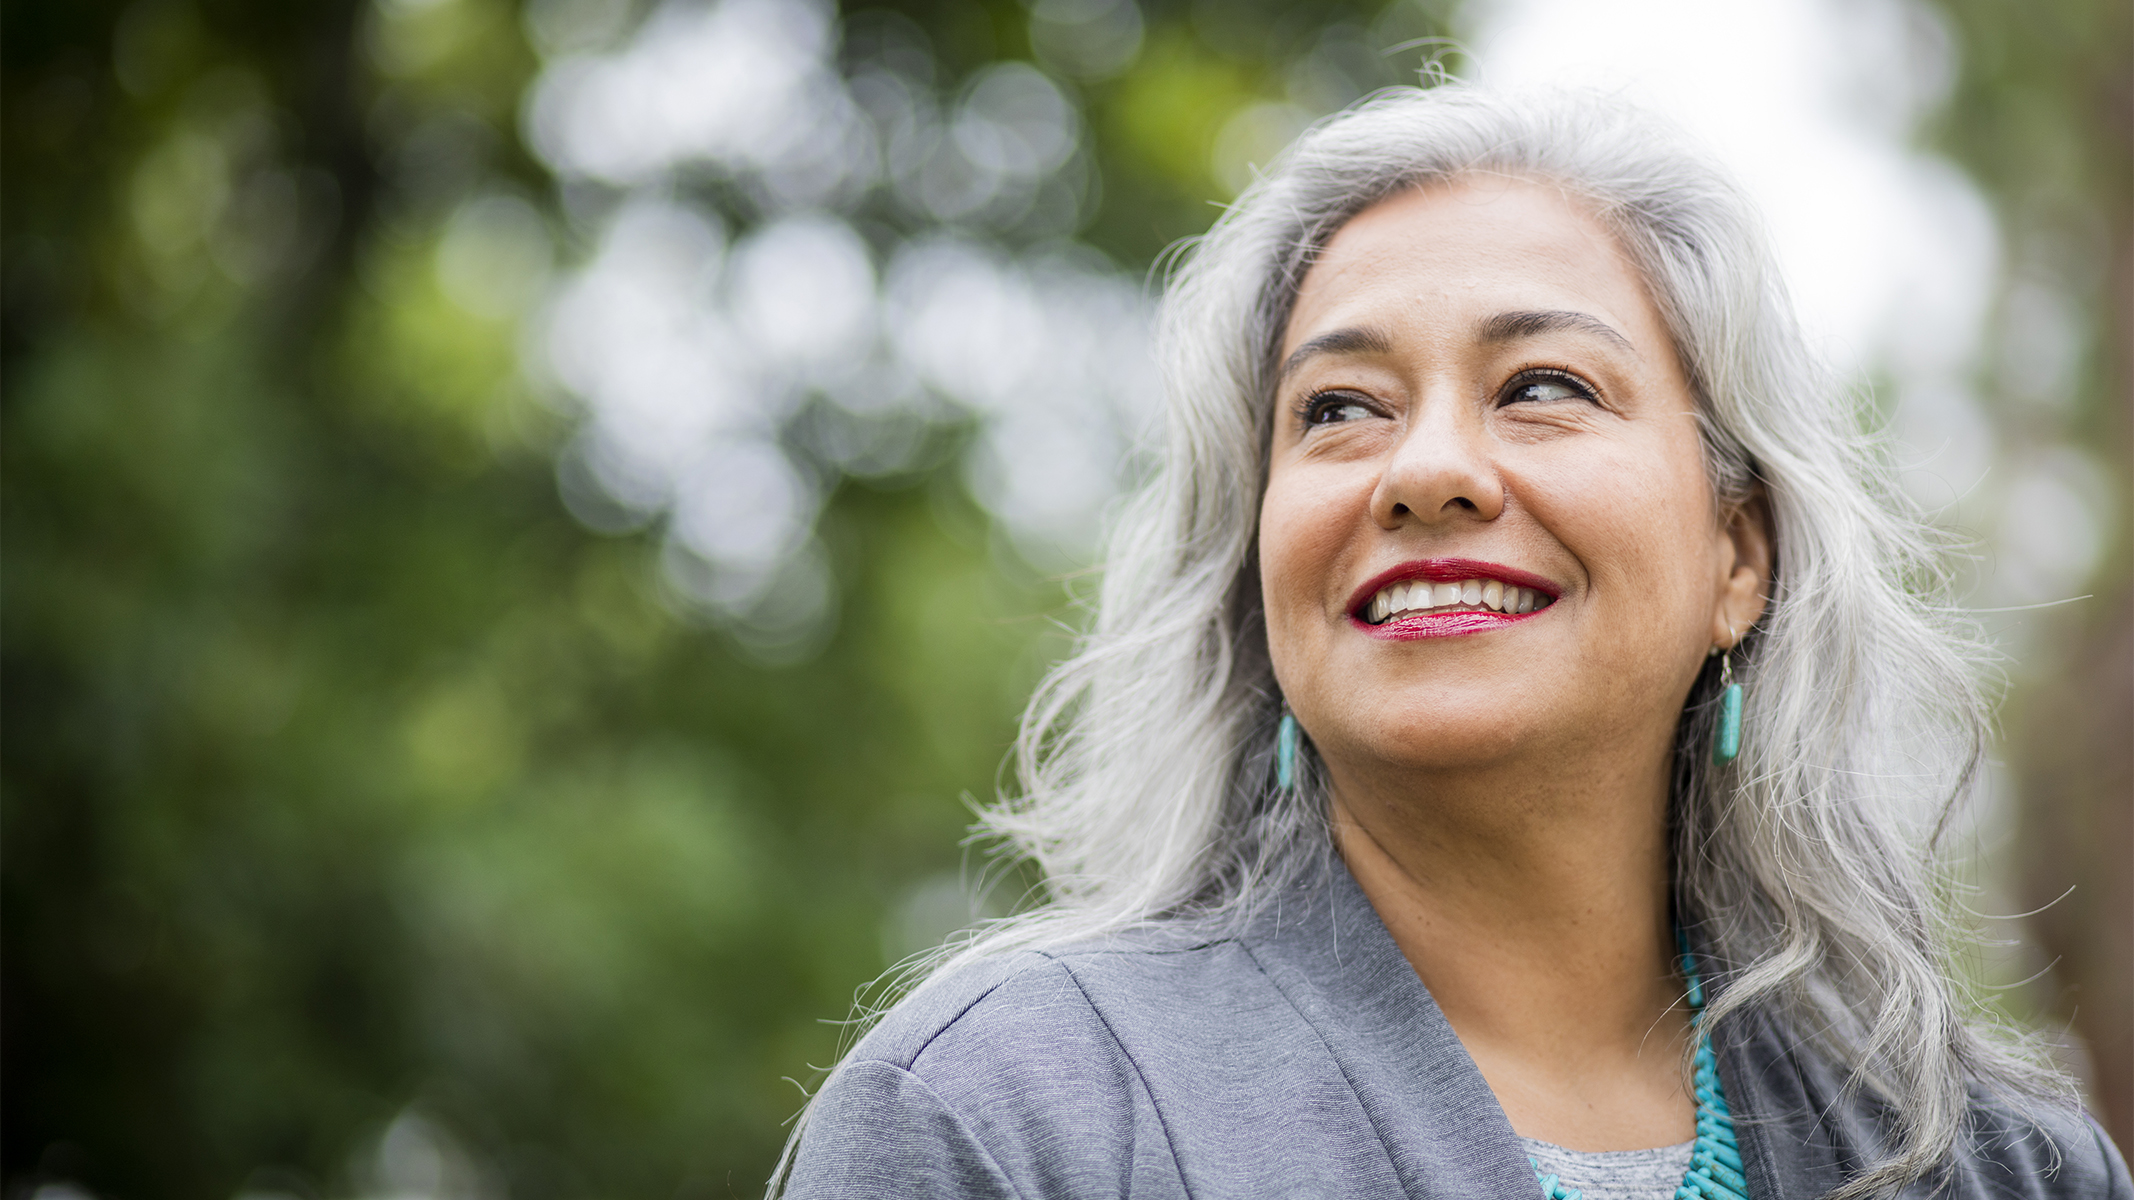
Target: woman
1492, 768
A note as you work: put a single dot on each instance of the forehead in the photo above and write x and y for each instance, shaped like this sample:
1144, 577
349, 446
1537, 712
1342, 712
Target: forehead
1469, 249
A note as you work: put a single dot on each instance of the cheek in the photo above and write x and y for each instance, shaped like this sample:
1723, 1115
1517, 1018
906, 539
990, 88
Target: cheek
1637, 518
1301, 528
1286, 554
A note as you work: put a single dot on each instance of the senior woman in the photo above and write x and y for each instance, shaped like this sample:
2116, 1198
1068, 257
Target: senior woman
1489, 771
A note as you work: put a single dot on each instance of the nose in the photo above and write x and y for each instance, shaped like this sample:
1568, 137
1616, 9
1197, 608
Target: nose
1441, 470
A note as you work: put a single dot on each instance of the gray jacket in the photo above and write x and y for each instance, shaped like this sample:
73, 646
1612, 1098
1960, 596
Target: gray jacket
1302, 1059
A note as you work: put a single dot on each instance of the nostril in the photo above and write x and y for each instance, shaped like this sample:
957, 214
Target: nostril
1400, 510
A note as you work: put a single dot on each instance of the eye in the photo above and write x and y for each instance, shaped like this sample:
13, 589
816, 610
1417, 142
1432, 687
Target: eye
1333, 408
1543, 386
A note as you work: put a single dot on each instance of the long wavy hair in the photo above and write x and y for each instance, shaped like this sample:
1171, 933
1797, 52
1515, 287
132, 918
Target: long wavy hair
1806, 864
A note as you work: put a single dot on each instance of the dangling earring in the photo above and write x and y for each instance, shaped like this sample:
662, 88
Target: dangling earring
1726, 738
1285, 752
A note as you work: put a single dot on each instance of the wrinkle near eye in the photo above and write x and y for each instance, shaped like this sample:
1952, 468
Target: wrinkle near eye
1529, 423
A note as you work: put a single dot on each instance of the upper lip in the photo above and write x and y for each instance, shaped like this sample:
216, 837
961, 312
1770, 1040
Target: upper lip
1448, 570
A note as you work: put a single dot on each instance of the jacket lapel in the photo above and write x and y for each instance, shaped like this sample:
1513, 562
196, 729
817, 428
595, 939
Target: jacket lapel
1325, 948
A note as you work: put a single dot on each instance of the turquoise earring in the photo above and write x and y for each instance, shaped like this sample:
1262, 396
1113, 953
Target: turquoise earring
1726, 738
1285, 752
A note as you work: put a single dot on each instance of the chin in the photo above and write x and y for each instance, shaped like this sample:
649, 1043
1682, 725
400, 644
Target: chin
1423, 738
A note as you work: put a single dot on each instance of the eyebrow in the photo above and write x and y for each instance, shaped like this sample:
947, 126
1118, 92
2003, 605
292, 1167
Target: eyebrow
1511, 326
1356, 340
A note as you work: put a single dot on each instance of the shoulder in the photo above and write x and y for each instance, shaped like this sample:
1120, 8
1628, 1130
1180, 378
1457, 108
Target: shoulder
1021, 1075
1040, 1005
1024, 993
1804, 1132
2041, 1150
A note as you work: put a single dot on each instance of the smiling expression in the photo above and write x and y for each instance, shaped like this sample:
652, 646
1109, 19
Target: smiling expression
1487, 528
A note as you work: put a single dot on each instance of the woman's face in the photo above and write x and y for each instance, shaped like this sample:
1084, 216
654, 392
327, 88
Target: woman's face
1487, 531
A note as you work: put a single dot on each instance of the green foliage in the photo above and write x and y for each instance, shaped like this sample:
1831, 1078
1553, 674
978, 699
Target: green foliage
2040, 116
344, 771
346, 776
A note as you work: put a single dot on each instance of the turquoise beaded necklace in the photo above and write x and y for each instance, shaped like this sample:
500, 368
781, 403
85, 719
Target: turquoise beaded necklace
1715, 1162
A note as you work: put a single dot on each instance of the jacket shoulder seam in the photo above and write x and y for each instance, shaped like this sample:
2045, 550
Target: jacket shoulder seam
905, 1061
962, 1127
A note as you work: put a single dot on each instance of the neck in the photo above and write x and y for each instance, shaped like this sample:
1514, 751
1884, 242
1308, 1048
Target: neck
1535, 907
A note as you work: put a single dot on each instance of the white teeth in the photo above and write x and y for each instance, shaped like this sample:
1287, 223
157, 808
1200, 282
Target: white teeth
1418, 596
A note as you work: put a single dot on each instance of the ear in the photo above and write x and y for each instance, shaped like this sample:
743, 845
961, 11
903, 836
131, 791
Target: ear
1745, 587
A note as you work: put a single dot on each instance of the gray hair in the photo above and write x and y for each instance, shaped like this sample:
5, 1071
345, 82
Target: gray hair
1806, 863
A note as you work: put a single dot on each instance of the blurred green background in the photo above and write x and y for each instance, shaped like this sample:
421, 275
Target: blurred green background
390, 811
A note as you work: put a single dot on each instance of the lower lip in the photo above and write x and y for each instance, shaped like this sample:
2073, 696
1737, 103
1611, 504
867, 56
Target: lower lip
1437, 625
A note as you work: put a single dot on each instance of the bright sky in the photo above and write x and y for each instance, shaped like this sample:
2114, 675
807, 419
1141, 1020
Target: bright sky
1892, 254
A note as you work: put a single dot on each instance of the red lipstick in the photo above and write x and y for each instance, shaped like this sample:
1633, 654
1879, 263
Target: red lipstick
1447, 624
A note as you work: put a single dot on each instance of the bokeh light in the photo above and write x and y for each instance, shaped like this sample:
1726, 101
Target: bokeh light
530, 521
969, 302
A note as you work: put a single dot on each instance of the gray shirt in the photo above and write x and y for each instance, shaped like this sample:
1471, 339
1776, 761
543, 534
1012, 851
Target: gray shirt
1614, 1174
1303, 1058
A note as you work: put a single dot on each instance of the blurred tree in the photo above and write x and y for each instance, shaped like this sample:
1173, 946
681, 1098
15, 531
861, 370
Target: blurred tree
2043, 117
373, 826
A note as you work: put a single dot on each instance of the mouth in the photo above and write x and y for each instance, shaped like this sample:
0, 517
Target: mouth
1444, 597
